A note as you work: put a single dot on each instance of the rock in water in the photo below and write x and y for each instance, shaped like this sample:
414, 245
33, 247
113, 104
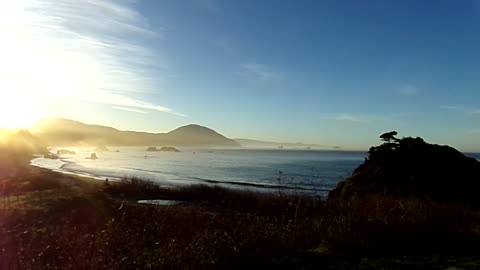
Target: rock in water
51, 156
152, 149
65, 152
169, 149
93, 156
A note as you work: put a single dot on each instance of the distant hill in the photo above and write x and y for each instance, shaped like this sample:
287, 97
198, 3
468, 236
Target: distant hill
65, 132
247, 143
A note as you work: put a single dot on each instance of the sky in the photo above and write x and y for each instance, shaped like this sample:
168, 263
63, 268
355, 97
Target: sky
335, 73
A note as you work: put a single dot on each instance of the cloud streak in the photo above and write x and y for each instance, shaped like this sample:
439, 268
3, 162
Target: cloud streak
346, 118
409, 91
92, 50
258, 71
209, 5
475, 132
462, 109
129, 109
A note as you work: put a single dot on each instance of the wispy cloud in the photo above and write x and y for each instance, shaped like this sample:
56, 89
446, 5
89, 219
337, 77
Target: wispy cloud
475, 132
453, 108
368, 118
462, 109
122, 101
346, 118
224, 44
258, 71
209, 5
129, 109
92, 50
409, 91
475, 112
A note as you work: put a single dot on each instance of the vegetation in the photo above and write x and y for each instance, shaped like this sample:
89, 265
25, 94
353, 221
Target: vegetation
50, 220
411, 167
103, 228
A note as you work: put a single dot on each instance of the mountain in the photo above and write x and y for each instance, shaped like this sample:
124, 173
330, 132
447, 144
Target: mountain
65, 132
247, 143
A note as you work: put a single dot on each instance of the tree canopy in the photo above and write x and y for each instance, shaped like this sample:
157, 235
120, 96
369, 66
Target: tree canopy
389, 136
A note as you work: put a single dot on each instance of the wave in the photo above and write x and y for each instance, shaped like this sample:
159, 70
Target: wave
253, 184
59, 166
260, 185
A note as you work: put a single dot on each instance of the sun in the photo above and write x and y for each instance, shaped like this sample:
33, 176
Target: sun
36, 69
18, 112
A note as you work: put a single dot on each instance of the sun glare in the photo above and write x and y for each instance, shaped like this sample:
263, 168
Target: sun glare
37, 66
18, 112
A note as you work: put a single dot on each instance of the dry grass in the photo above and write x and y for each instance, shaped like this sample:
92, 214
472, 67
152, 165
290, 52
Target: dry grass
222, 228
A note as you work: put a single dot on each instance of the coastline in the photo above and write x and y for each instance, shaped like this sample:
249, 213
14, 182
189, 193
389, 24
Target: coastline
70, 221
66, 172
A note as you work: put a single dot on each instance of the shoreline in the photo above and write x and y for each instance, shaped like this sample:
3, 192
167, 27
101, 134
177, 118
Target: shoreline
69, 221
71, 173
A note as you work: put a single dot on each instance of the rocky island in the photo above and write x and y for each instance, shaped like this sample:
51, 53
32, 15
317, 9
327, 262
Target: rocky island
65, 152
93, 156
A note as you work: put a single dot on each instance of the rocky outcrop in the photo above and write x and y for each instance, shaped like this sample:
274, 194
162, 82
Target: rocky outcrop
169, 149
50, 156
410, 167
65, 152
93, 156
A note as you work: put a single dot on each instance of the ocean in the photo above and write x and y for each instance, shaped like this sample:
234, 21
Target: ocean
290, 170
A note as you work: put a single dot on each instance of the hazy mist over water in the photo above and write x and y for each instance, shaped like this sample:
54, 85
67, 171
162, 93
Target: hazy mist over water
293, 170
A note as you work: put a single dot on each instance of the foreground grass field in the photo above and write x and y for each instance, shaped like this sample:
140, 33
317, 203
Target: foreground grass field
64, 222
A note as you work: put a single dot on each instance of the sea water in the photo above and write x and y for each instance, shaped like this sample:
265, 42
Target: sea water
289, 170
293, 170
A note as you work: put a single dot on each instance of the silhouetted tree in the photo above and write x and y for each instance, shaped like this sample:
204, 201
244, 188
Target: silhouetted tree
389, 136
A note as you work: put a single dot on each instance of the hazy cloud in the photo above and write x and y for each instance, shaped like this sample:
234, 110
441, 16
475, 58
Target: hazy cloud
409, 91
475, 112
224, 44
209, 5
475, 132
463, 109
258, 71
90, 50
129, 109
453, 108
346, 118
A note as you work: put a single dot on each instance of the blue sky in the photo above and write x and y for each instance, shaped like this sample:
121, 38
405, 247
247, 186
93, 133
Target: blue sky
328, 72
